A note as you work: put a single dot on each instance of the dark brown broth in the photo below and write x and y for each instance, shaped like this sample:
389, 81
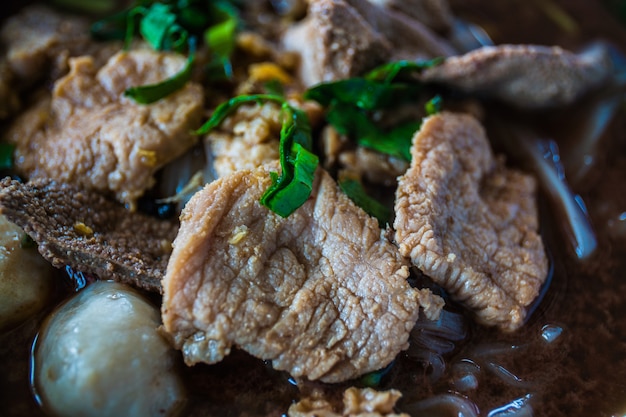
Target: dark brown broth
583, 373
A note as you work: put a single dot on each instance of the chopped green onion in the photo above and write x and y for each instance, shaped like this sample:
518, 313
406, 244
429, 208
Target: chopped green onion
355, 191
171, 26
6, 155
298, 164
150, 93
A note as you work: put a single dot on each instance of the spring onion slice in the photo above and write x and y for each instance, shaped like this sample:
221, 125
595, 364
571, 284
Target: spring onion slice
146, 94
293, 186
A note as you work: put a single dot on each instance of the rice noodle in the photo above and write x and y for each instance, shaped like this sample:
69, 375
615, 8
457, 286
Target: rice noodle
543, 155
431, 339
589, 121
519, 407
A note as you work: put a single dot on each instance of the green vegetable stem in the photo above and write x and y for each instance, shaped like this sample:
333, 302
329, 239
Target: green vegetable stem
298, 163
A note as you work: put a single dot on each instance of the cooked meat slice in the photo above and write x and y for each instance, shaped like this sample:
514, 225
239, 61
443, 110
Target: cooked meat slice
340, 39
94, 136
247, 139
357, 402
39, 40
526, 76
470, 223
84, 230
322, 294
335, 42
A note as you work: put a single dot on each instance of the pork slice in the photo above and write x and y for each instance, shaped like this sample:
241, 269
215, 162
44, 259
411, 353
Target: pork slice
92, 135
341, 39
322, 294
83, 229
334, 42
526, 76
470, 223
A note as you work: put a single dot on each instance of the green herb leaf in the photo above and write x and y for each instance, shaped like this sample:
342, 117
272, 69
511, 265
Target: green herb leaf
156, 24
221, 39
355, 191
298, 164
350, 104
390, 71
433, 106
349, 120
150, 93
6, 155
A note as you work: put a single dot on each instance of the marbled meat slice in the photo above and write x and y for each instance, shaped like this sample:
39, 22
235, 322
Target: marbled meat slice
526, 76
90, 134
470, 223
90, 233
323, 294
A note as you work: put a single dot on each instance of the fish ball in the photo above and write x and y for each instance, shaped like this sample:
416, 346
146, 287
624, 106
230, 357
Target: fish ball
100, 354
26, 281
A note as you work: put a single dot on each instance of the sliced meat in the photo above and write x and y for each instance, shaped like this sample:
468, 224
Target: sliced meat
525, 76
335, 42
340, 39
357, 402
88, 232
322, 294
94, 136
470, 223
39, 41
247, 139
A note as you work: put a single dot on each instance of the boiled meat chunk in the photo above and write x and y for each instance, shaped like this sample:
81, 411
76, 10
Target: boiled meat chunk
340, 39
92, 135
88, 232
470, 223
322, 294
526, 76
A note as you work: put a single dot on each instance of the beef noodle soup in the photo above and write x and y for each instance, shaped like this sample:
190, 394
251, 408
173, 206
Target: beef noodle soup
564, 356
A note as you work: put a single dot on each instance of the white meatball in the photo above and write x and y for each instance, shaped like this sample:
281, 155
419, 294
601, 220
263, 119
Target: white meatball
100, 354
26, 280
